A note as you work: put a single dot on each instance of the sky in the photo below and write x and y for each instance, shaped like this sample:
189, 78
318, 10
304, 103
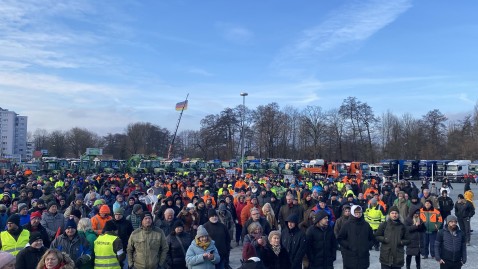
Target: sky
104, 64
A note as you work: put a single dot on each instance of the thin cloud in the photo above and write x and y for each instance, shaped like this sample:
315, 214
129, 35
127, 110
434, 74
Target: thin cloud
348, 25
200, 71
235, 33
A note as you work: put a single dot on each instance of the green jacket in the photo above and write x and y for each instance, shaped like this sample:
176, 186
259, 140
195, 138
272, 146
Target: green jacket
394, 237
147, 248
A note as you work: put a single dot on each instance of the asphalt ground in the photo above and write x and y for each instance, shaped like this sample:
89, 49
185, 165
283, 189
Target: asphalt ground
472, 251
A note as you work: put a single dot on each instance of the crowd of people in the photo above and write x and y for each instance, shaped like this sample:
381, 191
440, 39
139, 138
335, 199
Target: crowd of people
161, 222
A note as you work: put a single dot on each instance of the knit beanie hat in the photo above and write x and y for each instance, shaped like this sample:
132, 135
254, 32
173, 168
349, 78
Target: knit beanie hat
394, 208
146, 214
451, 218
201, 232
137, 207
34, 236
222, 207
320, 215
294, 218
22, 206
5, 258
15, 218
76, 213
105, 209
36, 214
70, 224
110, 226
178, 223
211, 213
119, 210
50, 204
98, 202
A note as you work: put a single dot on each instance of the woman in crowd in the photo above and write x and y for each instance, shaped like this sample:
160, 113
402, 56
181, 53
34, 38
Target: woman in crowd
7, 260
178, 241
202, 253
256, 238
270, 216
274, 255
55, 259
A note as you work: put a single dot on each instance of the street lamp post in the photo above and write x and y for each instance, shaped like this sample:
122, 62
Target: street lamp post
243, 94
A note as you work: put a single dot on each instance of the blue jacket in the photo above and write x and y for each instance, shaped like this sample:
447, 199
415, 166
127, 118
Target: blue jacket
195, 260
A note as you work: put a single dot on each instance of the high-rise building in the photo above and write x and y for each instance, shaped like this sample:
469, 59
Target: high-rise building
13, 135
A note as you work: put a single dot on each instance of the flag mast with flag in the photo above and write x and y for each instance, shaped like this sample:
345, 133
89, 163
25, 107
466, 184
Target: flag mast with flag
181, 106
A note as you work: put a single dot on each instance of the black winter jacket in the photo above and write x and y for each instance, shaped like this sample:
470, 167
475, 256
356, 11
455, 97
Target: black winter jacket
44, 234
273, 261
29, 257
294, 242
415, 233
321, 247
219, 233
178, 245
450, 247
125, 228
356, 238
465, 210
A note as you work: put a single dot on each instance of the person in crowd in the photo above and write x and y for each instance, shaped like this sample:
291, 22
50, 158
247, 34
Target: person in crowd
52, 220
288, 209
294, 241
77, 204
202, 252
464, 210
124, 227
147, 246
7, 260
30, 256
99, 220
220, 234
356, 238
321, 243
24, 214
256, 238
251, 261
342, 220
178, 241
450, 247
135, 216
393, 236
416, 228
76, 246
256, 217
239, 205
85, 230
108, 247
225, 217
35, 226
322, 206
55, 259
432, 220
374, 216
15, 237
166, 222
270, 216
275, 256
445, 204
3, 217
402, 204
190, 218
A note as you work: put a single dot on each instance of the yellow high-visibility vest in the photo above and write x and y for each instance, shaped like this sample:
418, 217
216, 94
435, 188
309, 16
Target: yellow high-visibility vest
12, 246
105, 257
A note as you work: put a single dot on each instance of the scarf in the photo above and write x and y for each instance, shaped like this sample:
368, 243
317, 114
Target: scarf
203, 245
56, 267
276, 250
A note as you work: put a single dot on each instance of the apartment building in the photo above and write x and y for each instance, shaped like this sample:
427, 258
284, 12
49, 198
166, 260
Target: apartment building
13, 135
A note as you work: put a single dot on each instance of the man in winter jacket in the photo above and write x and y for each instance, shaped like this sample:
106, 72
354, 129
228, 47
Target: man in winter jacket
108, 247
450, 247
35, 226
76, 246
124, 226
147, 246
374, 216
15, 237
30, 256
432, 219
99, 220
445, 204
294, 241
464, 210
52, 220
356, 238
394, 237
321, 243
219, 233
288, 209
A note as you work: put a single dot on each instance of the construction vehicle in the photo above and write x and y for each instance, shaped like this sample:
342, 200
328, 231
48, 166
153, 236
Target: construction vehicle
360, 170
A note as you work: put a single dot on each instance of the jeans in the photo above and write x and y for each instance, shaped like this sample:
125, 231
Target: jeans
409, 260
428, 246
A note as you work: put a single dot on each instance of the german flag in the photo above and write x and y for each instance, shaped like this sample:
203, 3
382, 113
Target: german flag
182, 105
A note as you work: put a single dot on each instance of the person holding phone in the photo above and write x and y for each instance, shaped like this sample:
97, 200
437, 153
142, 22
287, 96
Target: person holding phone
202, 253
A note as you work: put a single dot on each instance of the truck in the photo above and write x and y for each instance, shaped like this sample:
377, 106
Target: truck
473, 168
457, 170
359, 169
440, 170
426, 168
376, 170
410, 169
391, 167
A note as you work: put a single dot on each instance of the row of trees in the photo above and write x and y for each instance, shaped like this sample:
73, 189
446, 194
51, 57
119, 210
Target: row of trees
349, 132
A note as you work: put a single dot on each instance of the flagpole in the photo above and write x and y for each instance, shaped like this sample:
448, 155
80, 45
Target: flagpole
170, 151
